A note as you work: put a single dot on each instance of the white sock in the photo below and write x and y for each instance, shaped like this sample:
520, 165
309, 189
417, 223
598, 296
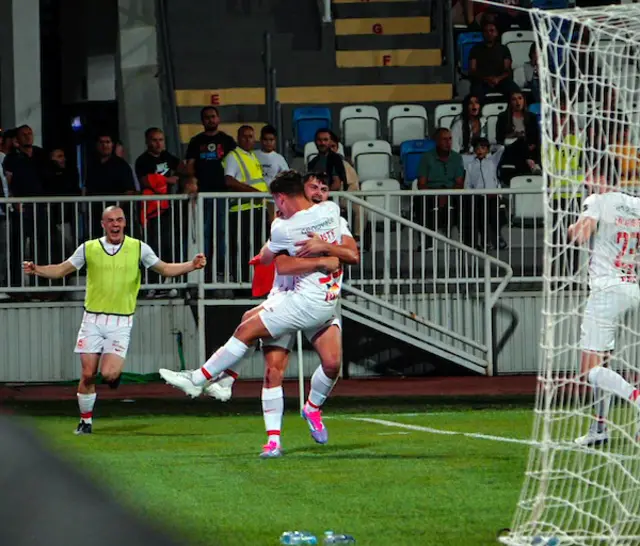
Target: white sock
227, 356
85, 404
272, 410
321, 386
612, 382
228, 377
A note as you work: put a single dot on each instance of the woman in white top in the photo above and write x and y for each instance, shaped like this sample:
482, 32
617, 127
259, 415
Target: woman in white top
467, 127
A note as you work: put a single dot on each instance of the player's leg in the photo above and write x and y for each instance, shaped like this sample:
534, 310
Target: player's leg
89, 346
276, 359
328, 344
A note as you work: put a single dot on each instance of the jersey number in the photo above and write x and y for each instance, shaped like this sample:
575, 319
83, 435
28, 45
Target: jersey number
625, 238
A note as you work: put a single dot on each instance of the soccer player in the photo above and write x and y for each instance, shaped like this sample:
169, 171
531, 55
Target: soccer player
113, 281
311, 301
611, 221
326, 341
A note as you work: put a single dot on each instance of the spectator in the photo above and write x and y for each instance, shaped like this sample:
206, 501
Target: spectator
9, 143
121, 152
272, 162
627, 156
512, 15
517, 129
531, 76
107, 174
157, 171
490, 63
205, 153
328, 162
24, 168
3, 216
440, 168
243, 173
467, 127
353, 184
482, 174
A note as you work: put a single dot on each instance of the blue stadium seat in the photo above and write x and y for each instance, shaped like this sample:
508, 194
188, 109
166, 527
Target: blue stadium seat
536, 108
466, 41
410, 153
306, 121
550, 4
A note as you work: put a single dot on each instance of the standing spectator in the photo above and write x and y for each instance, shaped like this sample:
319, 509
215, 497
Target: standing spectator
24, 168
490, 63
121, 152
243, 173
440, 168
328, 162
482, 174
467, 127
107, 174
157, 171
271, 161
205, 153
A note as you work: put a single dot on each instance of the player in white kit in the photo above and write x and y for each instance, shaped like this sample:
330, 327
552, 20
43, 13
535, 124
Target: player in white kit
611, 221
311, 302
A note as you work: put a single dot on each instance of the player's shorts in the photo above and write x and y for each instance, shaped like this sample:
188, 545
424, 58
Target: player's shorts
292, 312
104, 334
605, 309
287, 341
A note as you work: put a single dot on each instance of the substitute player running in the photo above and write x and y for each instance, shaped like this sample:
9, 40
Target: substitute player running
113, 281
611, 221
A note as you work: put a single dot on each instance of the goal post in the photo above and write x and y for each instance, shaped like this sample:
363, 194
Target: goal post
589, 82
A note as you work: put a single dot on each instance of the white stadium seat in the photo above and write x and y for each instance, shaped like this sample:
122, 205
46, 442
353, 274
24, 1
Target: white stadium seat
359, 123
372, 159
311, 150
386, 184
519, 42
446, 113
519, 77
491, 112
527, 208
406, 122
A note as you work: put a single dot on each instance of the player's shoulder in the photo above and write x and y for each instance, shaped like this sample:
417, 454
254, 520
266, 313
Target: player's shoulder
329, 207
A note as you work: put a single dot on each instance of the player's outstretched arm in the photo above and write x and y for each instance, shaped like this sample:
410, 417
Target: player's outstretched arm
177, 269
580, 232
289, 265
53, 271
347, 252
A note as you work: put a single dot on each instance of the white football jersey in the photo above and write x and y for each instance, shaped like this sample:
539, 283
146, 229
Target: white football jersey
617, 238
323, 220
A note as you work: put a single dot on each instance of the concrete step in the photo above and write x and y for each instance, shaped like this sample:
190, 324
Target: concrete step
395, 57
381, 9
360, 42
383, 26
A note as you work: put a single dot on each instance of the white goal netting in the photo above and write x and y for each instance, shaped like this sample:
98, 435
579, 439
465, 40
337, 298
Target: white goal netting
589, 78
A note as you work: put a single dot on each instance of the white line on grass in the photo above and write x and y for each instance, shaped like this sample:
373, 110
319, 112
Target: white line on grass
418, 428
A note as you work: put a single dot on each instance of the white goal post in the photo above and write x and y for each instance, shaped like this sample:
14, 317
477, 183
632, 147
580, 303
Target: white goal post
589, 78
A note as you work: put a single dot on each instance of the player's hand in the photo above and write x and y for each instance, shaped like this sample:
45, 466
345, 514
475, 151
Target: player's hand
329, 264
313, 246
191, 188
29, 268
199, 261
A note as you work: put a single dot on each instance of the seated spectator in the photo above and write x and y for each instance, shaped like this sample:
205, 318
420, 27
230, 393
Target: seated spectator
353, 184
440, 168
482, 174
490, 63
531, 77
328, 162
468, 126
272, 162
517, 129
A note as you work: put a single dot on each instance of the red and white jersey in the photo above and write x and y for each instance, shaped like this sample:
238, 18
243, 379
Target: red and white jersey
617, 238
324, 220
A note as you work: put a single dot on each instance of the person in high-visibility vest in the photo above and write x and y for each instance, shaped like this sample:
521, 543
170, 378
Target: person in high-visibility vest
248, 218
113, 281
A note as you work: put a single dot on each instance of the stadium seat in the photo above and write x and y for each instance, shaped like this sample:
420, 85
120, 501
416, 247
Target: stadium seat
536, 108
527, 209
384, 184
410, 154
372, 159
359, 123
519, 77
466, 41
491, 112
406, 122
446, 113
519, 42
306, 121
550, 4
311, 150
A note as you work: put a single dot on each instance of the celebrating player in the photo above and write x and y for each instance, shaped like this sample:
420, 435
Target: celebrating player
613, 219
311, 302
113, 281
326, 340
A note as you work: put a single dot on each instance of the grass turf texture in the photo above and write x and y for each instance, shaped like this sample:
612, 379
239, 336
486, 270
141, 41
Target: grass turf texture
201, 476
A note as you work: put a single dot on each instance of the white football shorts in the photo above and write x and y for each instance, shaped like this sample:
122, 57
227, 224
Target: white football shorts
605, 309
288, 313
104, 334
287, 341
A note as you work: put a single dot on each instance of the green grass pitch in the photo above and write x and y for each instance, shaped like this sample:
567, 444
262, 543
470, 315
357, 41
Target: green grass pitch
199, 473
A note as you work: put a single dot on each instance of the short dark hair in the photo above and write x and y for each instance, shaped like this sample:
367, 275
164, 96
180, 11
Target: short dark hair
152, 130
480, 141
439, 131
244, 128
208, 108
335, 138
322, 130
268, 130
11, 133
105, 134
289, 183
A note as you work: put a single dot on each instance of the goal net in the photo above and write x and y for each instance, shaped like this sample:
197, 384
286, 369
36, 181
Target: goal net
589, 83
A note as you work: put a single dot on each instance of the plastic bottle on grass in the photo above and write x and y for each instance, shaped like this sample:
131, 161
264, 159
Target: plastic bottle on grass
331, 538
298, 538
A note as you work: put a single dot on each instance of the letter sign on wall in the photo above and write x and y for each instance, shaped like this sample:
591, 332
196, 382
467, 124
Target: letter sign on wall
215, 99
377, 28
386, 60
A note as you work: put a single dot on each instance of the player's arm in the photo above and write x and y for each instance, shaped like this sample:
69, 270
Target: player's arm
290, 265
53, 271
347, 252
580, 232
176, 269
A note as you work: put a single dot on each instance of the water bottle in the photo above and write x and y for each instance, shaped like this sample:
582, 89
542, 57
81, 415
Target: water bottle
298, 537
331, 538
